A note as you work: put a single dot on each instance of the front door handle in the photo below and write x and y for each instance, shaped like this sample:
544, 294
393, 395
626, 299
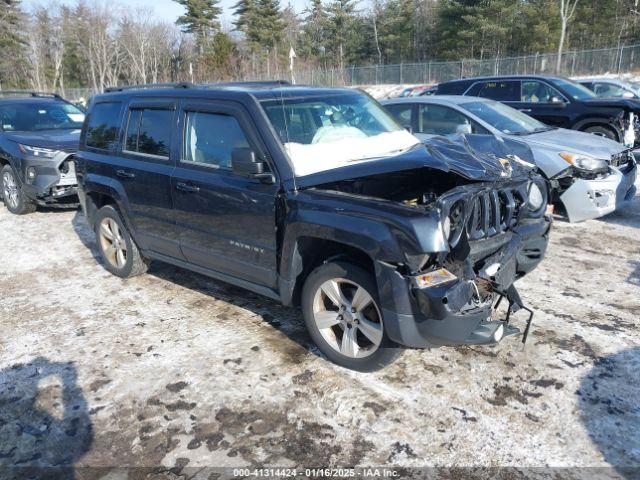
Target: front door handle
187, 187
525, 110
123, 174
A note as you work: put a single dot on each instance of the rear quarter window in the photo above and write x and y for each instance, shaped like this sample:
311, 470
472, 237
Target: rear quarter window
501, 91
103, 125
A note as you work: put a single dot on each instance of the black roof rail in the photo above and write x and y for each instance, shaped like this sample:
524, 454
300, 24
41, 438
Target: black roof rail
150, 86
29, 93
249, 83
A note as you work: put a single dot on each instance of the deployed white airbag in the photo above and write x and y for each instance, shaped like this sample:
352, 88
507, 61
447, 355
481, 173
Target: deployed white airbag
335, 147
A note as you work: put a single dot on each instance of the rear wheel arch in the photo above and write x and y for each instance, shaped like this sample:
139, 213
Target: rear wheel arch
95, 201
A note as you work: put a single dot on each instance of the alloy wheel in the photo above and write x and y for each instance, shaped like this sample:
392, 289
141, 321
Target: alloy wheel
112, 243
348, 318
10, 190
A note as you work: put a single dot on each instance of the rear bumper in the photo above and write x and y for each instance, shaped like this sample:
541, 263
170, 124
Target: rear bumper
587, 199
446, 314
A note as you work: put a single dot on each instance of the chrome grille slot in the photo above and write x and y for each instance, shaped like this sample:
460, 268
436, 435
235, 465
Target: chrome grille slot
484, 212
622, 158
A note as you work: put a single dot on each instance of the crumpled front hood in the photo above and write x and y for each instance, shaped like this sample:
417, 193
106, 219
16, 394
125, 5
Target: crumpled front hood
482, 157
66, 140
474, 157
574, 141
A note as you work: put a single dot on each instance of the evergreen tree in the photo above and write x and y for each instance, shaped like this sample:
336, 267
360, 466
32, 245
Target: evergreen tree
340, 31
313, 42
262, 23
396, 31
200, 19
12, 43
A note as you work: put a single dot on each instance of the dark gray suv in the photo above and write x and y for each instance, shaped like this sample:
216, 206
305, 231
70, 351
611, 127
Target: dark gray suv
319, 199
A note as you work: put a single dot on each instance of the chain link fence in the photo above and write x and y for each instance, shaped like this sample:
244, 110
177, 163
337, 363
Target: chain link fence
624, 59
574, 63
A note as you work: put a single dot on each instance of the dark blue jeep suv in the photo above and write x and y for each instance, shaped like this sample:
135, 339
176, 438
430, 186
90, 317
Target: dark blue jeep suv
38, 137
317, 198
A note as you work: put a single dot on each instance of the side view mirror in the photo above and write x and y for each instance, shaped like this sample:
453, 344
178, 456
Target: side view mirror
558, 102
244, 162
628, 94
464, 129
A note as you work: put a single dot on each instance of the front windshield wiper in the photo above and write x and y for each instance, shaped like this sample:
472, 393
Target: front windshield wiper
544, 129
535, 130
392, 152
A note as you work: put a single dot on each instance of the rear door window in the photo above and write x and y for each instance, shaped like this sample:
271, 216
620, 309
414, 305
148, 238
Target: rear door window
534, 91
502, 91
604, 89
440, 120
103, 126
402, 112
149, 132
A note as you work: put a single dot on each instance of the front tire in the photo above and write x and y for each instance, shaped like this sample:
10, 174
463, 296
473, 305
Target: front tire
343, 316
602, 131
12, 194
120, 254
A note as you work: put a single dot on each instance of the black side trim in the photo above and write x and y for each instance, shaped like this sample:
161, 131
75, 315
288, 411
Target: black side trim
259, 289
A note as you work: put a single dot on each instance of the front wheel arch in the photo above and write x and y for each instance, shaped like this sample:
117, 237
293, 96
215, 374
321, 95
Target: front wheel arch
587, 125
311, 252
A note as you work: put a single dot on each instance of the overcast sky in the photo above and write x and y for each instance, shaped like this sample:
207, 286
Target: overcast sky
168, 9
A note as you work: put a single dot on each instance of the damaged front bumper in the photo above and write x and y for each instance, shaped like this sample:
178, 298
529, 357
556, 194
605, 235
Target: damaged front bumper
587, 199
51, 182
457, 312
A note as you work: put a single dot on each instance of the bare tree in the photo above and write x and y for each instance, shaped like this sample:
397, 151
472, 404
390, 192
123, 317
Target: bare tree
567, 9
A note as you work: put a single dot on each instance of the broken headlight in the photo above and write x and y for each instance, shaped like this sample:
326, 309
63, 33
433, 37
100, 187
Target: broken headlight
37, 151
585, 162
536, 198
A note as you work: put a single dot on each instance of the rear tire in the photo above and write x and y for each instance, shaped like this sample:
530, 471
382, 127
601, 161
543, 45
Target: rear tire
343, 316
120, 254
12, 194
603, 131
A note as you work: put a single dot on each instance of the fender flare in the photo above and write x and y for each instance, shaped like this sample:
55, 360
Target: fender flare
113, 189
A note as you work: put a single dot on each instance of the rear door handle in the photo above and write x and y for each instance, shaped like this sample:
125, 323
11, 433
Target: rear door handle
187, 187
525, 110
123, 174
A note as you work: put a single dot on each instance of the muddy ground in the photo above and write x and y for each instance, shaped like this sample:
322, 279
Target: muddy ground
174, 371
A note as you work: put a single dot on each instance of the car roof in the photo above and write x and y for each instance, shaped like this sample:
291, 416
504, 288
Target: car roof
259, 90
601, 79
438, 99
27, 100
505, 77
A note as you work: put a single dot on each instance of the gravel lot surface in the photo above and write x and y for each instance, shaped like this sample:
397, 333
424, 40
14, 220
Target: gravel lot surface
175, 372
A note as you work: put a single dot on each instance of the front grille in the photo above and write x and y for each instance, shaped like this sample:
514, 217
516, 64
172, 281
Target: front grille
621, 159
495, 211
483, 212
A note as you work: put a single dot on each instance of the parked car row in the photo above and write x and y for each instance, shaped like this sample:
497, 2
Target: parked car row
314, 197
320, 199
589, 176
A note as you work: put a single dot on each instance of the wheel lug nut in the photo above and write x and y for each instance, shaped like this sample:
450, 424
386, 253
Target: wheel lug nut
353, 310
340, 317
